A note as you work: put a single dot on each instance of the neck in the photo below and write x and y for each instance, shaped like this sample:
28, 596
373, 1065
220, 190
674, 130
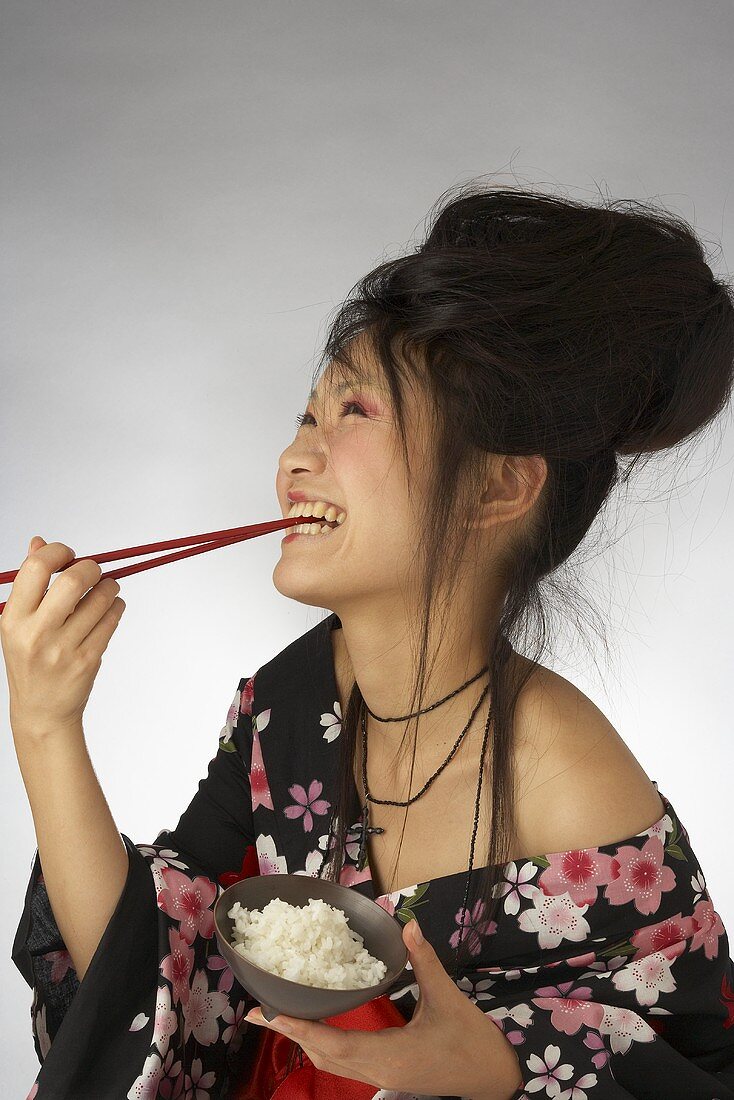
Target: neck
381, 654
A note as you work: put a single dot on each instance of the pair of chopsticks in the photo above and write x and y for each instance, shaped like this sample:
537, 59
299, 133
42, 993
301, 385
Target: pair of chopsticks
211, 541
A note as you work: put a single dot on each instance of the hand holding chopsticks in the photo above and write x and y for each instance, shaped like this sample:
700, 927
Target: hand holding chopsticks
211, 541
53, 635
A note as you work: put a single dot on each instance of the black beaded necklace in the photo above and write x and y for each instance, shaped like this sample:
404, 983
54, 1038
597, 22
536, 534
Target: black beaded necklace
366, 828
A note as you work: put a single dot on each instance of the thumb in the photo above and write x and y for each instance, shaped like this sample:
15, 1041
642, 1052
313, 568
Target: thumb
427, 967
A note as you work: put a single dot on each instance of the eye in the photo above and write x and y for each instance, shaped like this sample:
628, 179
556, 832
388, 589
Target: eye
302, 417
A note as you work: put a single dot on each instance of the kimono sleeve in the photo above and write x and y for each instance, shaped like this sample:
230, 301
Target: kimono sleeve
641, 1006
158, 1010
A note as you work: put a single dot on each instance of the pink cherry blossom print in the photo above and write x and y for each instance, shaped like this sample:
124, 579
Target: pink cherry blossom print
177, 965
577, 1091
247, 696
595, 1042
307, 804
640, 876
708, 929
270, 862
259, 786
668, 936
60, 962
647, 977
188, 901
389, 902
198, 1083
584, 960
555, 918
516, 884
579, 873
350, 876
202, 1011
172, 1079
226, 977
569, 1007
231, 1035
471, 927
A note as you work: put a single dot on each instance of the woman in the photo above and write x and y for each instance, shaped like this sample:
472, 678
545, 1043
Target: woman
466, 433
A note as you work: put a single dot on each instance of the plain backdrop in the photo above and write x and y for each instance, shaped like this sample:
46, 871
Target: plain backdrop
188, 191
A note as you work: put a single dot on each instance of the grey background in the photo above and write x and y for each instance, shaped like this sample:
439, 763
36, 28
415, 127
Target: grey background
188, 190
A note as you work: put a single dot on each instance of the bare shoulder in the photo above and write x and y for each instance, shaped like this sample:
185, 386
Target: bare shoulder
578, 784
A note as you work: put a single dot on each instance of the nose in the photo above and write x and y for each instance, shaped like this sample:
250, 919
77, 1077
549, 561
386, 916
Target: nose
294, 460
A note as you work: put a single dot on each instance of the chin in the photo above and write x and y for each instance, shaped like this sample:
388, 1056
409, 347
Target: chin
292, 584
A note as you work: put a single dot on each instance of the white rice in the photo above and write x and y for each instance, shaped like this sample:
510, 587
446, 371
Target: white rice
312, 945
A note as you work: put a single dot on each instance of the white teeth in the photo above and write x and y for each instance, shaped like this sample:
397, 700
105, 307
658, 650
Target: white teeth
319, 509
311, 529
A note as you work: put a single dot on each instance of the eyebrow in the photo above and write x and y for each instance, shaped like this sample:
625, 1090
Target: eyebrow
373, 382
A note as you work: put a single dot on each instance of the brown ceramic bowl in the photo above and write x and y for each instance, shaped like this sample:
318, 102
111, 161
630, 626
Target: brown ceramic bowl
381, 933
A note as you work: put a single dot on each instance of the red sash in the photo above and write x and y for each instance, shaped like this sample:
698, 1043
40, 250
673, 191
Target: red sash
268, 1076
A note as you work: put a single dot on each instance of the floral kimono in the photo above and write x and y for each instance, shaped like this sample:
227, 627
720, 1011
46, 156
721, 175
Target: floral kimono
608, 968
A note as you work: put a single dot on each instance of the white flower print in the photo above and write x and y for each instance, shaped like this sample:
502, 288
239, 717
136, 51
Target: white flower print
660, 829
165, 857
166, 1020
476, 991
551, 1073
145, 1087
623, 1026
390, 1094
333, 722
555, 917
522, 1014
576, 1092
44, 1041
232, 715
516, 885
603, 968
313, 864
267, 856
698, 883
413, 990
648, 977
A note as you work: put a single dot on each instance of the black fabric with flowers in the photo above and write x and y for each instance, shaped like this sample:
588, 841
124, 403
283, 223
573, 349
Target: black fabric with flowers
609, 969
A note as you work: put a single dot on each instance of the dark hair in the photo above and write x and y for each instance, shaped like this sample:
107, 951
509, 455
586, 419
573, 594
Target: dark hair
538, 325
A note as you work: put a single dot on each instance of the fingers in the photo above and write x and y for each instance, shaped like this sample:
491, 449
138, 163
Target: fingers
97, 612
98, 638
64, 591
33, 577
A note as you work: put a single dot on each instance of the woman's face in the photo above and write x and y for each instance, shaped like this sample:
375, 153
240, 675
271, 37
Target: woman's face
347, 451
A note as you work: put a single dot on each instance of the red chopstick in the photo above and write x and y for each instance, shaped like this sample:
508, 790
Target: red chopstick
211, 541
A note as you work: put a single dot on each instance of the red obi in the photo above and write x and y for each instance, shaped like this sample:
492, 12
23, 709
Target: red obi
275, 1070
